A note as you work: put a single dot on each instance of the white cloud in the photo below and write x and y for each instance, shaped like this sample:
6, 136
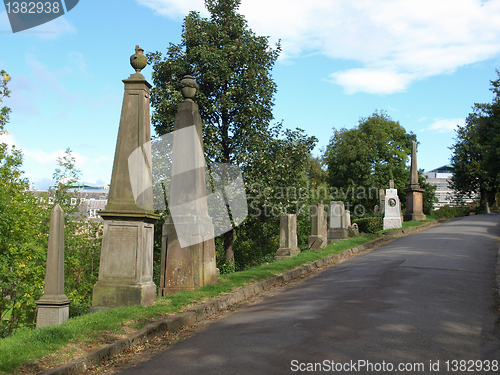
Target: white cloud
446, 125
7, 138
395, 42
40, 157
371, 81
174, 8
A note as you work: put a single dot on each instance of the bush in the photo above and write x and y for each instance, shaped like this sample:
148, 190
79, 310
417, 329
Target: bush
450, 212
369, 224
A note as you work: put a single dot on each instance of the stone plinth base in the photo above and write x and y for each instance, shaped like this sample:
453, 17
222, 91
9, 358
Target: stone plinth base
415, 216
335, 234
414, 204
392, 223
190, 267
52, 313
126, 268
316, 242
109, 295
286, 253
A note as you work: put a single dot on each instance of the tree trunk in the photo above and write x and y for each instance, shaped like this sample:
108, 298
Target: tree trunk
491, 197
484, 207
228, 245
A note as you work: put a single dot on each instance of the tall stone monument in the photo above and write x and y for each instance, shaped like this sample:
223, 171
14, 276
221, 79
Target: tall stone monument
392, 214
53, 306
188, 247
288, 237
337, 229
126, 267
318, 237
414, 193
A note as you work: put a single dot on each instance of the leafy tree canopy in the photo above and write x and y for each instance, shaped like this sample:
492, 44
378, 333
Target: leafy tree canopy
232, 68
476, 152
363, 159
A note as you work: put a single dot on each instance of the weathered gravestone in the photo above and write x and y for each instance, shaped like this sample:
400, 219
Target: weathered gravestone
414, 193
318, 237
188, 247
338, 222
346, 219
288, 237
126, 267
381, 197
392, 214
53, 306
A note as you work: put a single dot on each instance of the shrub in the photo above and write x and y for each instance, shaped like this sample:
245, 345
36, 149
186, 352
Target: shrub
449, 212
369, 224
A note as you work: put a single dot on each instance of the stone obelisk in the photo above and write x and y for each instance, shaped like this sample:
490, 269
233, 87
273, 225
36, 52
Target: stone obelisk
414, 193
53, 306
126, 267
188, 247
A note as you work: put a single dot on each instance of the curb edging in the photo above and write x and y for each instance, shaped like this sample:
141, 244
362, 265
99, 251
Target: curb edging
204, 310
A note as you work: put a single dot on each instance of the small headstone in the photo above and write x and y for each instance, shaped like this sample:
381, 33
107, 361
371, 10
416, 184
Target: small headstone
337, 229
53, 306
376, 210
355, 229
382, 201
317, 239
346, 219
392, 217
288, 237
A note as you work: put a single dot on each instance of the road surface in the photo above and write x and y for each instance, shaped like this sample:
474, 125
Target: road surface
422, 304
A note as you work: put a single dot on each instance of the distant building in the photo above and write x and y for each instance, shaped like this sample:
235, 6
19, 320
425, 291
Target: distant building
441, 178
90, 200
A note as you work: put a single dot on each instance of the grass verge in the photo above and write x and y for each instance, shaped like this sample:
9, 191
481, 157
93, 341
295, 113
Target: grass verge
54, 344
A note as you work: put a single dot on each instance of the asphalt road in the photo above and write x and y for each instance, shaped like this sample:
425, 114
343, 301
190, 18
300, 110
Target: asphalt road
423, 298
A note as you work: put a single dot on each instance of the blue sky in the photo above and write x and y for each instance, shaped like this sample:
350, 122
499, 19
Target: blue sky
424, 62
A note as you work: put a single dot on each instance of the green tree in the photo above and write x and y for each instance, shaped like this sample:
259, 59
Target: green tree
476, 152
363, 159
317, 171
23, 239
232, 67
276, 182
